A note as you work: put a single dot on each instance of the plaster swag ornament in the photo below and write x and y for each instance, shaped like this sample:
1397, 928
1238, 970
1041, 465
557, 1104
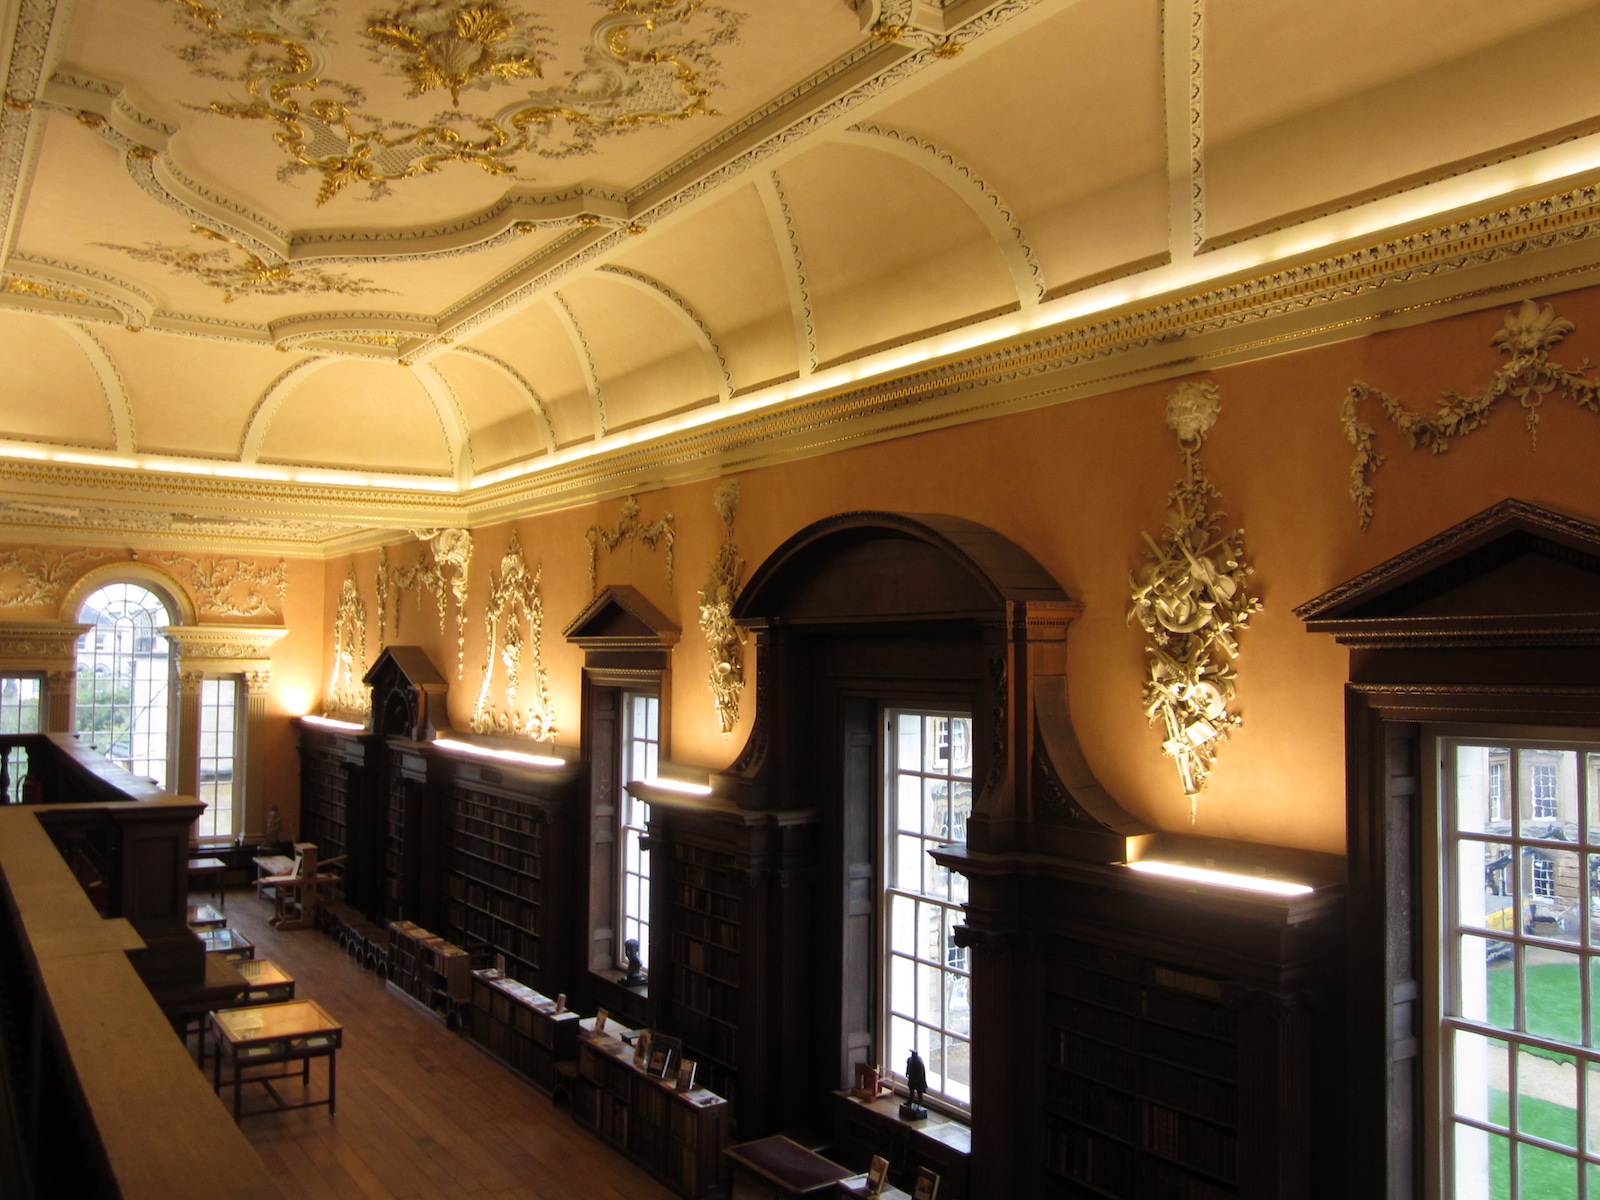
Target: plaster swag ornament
514, 597
723, 637
628, 529
1190, 598
444, 578
227, 586
346, 691
31, 578
1527, 336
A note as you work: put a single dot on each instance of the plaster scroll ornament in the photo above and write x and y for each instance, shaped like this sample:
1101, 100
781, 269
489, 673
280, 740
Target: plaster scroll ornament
346, 691
444, 578
31, 578
1191, 599
644, 63
628, 530
1528, 336
515, 599
724, 639
229, 587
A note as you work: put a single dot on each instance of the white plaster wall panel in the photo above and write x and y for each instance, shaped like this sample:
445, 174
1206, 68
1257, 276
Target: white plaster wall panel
1081, 164
888, 252
1308, 130
645, 353
724, 262
50, 392
374, 417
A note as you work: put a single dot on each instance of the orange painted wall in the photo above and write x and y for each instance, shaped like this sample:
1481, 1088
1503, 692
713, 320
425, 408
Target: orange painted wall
1076, 485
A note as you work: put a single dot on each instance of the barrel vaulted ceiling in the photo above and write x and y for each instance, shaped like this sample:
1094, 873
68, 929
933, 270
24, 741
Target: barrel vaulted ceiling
291, 273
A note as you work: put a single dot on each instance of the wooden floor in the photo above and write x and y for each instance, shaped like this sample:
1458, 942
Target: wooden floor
422, 1112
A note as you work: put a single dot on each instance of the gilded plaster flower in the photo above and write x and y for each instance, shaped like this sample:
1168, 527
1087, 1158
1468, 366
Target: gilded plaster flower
1192, 409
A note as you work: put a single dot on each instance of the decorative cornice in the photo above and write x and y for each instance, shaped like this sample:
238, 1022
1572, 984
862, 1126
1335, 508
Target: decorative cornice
203, 647
40, 645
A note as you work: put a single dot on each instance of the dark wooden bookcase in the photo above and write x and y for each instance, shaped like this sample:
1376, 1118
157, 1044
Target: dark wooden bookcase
678, 1136
521, 1028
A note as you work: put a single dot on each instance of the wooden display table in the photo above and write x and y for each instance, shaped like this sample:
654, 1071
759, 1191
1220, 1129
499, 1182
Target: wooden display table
266, 982
226, 943
203, 916
780, 1168
208, 871
275, 1035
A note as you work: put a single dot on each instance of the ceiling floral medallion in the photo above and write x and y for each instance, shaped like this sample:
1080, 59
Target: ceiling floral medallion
1190, 598
646, 62
515, 598
238, 272
1528, 336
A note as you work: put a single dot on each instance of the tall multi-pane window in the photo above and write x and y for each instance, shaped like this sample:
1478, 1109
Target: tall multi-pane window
1516, 1052
1542, 779
641, 748
1497, 791
125, 679
926, 984
21, 711
219, 755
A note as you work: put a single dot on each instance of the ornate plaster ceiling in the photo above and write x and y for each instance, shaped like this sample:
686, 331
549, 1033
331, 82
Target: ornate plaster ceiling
284, 272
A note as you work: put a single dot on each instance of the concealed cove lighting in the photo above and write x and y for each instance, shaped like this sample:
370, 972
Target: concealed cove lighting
329, 722
1227, 879
681, 786
515, 756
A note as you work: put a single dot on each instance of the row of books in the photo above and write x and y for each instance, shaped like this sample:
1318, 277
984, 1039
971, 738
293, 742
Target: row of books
513, 882
705, 995
699, 900
518, 818
524, 862
515, 907
707, 929
710, 960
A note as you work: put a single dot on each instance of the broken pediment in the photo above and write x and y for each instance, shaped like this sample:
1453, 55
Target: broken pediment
1514, 574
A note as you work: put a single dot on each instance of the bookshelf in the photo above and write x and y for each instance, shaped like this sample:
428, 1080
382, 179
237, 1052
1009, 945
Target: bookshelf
330, 765
494, 876
521, 1028
677, 1136
435, 973
1141, 1083
863, 1128
704, 920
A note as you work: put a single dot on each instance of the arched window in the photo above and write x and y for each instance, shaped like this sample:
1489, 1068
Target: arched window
125, 692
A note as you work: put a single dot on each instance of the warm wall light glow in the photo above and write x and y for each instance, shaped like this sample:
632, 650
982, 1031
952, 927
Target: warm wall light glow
516, 756
1248, 883
295, 700
682, 786
330, 723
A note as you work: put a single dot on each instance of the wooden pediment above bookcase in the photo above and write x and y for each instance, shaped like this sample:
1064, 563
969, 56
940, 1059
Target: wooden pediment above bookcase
408, 694
620, 618
1513, 575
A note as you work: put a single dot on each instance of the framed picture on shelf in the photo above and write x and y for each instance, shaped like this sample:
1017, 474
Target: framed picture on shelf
600, 1022
641, 1049
927, 1185
685, 1080
876, 1174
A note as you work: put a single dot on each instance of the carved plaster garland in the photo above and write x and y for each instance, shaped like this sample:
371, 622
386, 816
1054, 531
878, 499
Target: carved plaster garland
1190, 599
42, 576
228, 586
515, 597
1527, 336
347, 692
628, 529
723, 637
444, 578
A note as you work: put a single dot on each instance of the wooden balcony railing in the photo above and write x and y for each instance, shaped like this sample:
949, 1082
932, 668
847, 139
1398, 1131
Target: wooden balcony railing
99, 1099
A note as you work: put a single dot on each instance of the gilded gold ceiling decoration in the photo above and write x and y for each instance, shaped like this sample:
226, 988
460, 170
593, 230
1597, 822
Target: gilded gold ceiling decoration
514, 598
628, 530
34, 578
648, 62
1190, 598
236, 271
27, 287
1527, 336
228, 587
724, 639
347, 693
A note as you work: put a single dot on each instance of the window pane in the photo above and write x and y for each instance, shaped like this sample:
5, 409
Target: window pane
1544, 1174
1479, 1067
1486, 987
1547, 1096
1552, 998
